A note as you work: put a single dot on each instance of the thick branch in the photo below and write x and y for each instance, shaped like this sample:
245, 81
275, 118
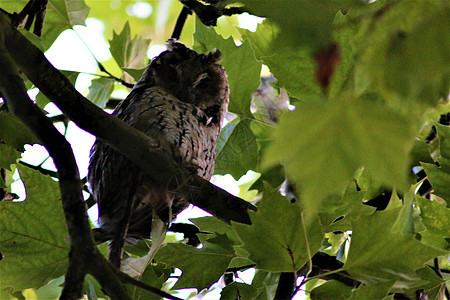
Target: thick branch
286, 286
119, 135
83, 251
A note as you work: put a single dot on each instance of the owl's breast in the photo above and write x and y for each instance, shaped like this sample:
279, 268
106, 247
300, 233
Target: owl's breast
180, 128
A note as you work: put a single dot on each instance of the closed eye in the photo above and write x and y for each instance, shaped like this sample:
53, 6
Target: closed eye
200, 78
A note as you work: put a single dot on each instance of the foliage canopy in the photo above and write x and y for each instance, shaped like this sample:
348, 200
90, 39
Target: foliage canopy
365, 84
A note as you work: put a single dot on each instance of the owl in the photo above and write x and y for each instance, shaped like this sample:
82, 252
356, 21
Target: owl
180, 102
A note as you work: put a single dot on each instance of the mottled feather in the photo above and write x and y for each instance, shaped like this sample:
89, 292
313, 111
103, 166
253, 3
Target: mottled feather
180, 102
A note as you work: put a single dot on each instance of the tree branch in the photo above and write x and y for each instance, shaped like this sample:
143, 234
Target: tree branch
127, 279
83, 252
208, 14
180, 22
40, 169
286, 286
34, 10
119, 135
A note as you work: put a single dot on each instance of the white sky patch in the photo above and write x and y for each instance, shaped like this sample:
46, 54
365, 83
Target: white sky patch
155, 50
249, 22
141, 10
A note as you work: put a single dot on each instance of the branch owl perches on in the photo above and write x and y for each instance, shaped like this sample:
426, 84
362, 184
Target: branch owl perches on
180, 102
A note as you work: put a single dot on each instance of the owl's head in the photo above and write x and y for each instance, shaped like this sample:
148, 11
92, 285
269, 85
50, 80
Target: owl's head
190, 76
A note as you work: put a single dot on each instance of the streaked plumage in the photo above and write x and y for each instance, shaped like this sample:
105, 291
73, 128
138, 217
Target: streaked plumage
180, 102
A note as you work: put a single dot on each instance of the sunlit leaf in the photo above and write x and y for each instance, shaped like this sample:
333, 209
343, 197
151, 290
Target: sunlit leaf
127, 52
62, 15
135, 73
100, 91
242, 68
294, 68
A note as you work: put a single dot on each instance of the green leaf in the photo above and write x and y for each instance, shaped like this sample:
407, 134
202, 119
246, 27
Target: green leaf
322, 145
436, 218
242, 68
377, 253
375, 291
439, 178
201, 267
135, 73
305, 23
444, 140
405, 56
100, 91
237, 151
33, 235
244, 291
129, 53
420, 153
405, 220
266, 283
13, 132
435, 286
331, 290
277, 228
293, 67
155, 276
336, 206
212, 224
60, 15
8, 156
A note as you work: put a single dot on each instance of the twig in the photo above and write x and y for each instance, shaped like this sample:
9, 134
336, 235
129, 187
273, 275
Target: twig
234, 270
127, 279
34, 10
40, 169
180, 22
208, 14
102, 69
438, 272
112, 103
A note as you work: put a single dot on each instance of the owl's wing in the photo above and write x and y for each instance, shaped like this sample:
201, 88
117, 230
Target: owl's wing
178, 128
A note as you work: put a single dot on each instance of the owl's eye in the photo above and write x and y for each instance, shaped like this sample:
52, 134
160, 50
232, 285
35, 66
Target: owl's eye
200, 78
